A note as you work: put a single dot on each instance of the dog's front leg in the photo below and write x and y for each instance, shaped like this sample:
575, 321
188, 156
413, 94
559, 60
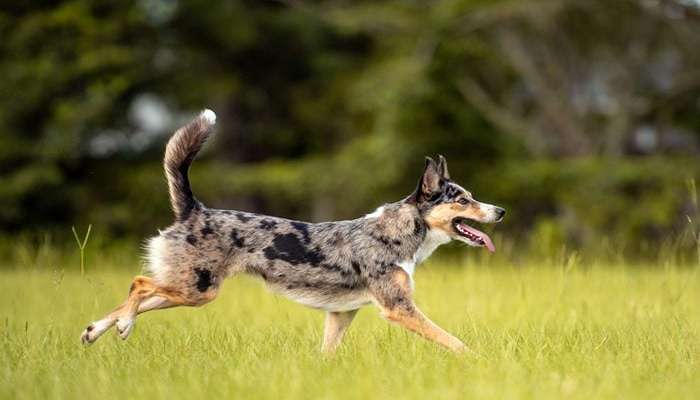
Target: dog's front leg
414, 320
393, 295
336, 325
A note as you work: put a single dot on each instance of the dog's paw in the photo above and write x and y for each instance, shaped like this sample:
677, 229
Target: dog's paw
86, 338
125, 326
94, 331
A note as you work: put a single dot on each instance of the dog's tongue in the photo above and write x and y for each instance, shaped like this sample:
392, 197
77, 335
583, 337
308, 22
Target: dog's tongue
487, 240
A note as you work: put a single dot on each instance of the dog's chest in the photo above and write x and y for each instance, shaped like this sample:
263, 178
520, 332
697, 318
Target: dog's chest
433, 239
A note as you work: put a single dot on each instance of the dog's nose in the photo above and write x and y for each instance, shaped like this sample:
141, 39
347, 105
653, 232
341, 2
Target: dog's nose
500, 213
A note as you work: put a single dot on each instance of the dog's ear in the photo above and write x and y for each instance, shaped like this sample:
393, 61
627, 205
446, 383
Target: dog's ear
442, 168
429, 183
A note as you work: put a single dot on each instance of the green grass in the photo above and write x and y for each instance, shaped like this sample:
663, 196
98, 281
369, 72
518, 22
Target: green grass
542, 332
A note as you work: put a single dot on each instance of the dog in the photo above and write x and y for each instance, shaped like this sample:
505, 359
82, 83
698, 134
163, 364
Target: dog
337, 267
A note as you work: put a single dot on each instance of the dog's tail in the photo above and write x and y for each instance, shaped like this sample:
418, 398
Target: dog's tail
179, 153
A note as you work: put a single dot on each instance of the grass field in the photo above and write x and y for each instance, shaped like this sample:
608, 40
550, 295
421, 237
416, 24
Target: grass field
541, 332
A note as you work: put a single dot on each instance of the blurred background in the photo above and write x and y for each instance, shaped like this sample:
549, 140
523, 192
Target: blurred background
582, 118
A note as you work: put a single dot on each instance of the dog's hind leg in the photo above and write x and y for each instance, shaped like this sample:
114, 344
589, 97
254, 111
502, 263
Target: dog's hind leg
144, 295
336, 325
97, 328
142, 288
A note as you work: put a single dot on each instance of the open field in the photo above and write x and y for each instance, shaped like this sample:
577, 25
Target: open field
542, 332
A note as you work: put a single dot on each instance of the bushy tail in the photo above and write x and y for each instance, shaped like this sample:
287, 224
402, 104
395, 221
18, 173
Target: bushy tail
182, 147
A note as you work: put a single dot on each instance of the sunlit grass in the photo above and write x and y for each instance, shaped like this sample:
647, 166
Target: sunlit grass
583, 332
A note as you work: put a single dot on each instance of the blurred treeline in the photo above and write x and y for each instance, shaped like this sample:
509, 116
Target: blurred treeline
582, 118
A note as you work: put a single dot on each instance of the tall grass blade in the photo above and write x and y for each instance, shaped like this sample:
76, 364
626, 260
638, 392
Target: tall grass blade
81, 246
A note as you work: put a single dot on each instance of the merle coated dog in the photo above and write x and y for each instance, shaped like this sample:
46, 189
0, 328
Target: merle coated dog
337, 267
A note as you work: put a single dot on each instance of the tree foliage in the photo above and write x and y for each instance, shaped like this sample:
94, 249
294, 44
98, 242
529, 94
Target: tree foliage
327, 108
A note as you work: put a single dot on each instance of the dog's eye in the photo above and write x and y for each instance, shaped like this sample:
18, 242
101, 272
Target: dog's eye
463, 201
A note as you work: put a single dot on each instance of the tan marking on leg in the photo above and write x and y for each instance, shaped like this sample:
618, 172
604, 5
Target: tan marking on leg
143, 289
394, 298
336, 325
155, 303
414, 320
401, 278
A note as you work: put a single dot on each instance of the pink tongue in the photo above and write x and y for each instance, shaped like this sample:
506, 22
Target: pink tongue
487, 240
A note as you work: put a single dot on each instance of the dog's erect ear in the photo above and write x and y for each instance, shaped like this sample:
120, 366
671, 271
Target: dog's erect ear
442, 168
429, 183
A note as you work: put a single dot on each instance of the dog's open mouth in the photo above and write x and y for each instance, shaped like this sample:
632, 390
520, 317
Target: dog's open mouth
473, 235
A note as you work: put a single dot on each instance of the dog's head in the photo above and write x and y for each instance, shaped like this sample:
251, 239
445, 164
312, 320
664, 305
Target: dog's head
447, 207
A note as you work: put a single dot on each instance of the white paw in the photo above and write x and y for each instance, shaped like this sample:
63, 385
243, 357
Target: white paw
125, 326
86, 338
95, 330
209, 116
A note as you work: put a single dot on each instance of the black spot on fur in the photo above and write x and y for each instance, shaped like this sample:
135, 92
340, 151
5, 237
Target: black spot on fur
356, 267
382, 239
382, 269
236, 239
417, 226
303, 229
186, 197
268, 224
243, 218
89, 328
289, 248
191, 239
397, 242
207, 231
385, 240
204, 279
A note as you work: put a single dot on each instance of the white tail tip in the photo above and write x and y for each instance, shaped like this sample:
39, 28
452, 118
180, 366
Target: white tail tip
209, 116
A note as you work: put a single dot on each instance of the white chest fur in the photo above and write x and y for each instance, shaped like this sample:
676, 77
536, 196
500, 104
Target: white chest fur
433, 239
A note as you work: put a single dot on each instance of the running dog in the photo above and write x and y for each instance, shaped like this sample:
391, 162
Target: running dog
337, 267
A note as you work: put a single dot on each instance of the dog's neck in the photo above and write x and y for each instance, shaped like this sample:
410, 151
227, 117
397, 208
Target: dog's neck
401, 219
